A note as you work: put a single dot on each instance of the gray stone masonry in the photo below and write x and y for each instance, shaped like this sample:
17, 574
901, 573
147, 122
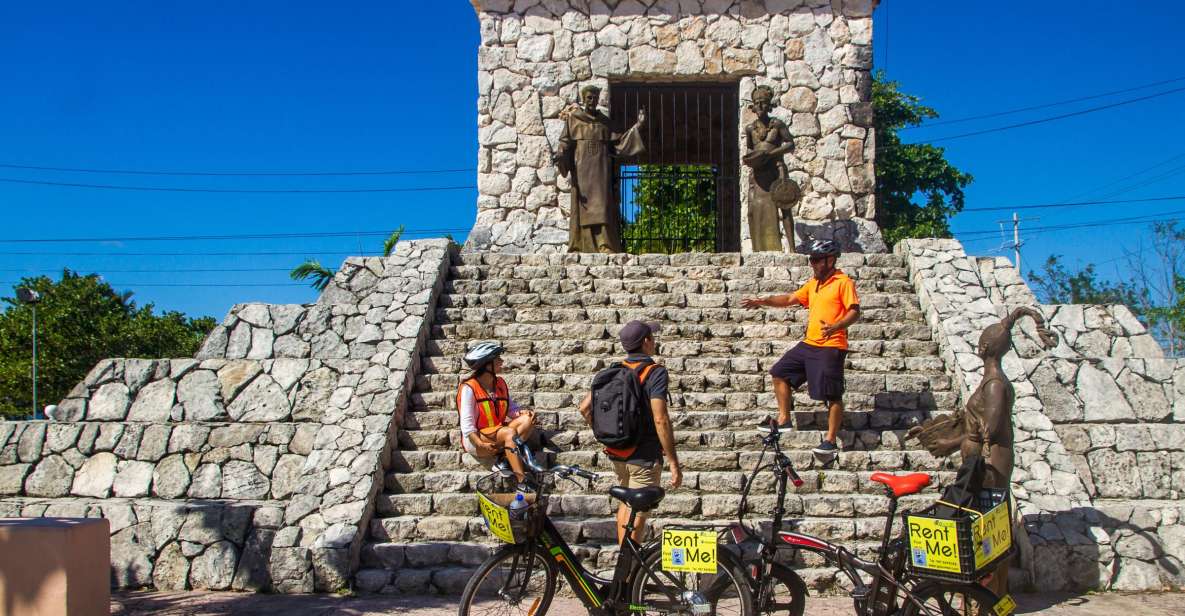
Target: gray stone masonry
1099, 423
536, 55
254, 466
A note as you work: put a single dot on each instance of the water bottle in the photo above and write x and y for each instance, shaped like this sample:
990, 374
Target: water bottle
518, 507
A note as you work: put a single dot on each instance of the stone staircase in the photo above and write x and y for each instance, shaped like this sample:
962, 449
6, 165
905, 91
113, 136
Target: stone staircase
558, 316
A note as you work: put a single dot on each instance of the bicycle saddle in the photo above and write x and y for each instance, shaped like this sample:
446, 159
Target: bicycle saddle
640, 499
903, 485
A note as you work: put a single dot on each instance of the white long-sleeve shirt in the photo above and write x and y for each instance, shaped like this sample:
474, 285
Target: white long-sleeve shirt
468, 412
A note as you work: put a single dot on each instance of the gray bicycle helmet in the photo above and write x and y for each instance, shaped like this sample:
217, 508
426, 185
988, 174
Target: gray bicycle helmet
482, 354
824, 248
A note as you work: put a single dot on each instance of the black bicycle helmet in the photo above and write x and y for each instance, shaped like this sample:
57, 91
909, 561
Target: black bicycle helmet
824, 248
482, 354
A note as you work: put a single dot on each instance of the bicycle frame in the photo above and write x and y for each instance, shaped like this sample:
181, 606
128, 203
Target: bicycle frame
836, 555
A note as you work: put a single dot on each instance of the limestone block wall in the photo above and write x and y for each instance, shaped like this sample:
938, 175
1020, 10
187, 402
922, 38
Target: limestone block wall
535, 55
1099, 426
254, 466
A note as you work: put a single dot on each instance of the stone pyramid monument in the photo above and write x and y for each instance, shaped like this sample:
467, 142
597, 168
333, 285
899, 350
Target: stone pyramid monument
314, 447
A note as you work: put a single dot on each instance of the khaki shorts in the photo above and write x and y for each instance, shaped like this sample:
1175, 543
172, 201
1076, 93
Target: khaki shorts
636, 475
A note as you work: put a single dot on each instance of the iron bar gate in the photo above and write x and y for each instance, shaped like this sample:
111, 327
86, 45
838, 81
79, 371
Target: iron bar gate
681, 194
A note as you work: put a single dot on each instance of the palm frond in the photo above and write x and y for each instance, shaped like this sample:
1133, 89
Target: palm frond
389, 244
312, 269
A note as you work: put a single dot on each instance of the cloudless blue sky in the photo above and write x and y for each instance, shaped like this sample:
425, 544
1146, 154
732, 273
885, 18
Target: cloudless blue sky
310, 86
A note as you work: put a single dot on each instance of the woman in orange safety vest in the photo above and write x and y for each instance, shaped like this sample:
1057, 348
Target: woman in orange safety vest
490, 420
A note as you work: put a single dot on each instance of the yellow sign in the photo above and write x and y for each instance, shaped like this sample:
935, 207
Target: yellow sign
693, 551
497, 518
934, 544
991, 534
1004, 606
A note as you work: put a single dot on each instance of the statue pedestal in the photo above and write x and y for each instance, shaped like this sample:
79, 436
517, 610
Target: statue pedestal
55, 567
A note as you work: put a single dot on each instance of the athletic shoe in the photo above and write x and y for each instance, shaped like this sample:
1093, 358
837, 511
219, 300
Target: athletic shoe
785, 426
525, 487
826, 448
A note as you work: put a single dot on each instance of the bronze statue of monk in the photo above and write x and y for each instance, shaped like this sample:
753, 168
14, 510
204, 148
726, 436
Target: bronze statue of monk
587, 150
768, 139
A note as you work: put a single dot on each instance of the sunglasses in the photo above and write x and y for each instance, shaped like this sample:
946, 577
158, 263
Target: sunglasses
817, 259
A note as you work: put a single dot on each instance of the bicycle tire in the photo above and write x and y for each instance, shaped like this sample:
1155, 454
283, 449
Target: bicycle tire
794, 589
541, 564
727, 590
951, 599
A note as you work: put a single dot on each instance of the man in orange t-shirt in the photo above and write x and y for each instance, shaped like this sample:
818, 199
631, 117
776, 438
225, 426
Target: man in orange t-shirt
830, 298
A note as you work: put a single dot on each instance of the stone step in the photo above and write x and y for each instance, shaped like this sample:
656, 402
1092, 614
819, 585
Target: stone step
700, 360
887, 458
598, 556
708, 344
501, 260
684, 326
849, 475
450, 580
600, 529
551, 389
875, 306
685, 400
680, 277
541, 295
812, 419
685, 439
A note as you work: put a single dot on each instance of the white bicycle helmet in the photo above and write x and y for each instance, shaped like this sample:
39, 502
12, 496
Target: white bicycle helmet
824, 248
482, 353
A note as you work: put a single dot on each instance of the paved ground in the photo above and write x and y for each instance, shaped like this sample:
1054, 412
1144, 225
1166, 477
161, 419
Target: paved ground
203, 604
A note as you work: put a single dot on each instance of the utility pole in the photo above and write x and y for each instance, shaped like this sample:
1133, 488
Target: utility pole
1016, 243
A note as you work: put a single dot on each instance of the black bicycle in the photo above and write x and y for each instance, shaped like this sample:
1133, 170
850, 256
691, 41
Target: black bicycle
892, 590
687, 575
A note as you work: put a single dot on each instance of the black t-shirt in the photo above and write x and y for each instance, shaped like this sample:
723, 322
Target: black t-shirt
649, 448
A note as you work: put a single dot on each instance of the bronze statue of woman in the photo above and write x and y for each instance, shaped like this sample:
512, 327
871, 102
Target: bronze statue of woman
985, 427
767, 140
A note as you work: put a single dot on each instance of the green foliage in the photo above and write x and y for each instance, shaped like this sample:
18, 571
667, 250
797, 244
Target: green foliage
391, 241
81, 320
676, 210
312, 270
917, 190
1057, 285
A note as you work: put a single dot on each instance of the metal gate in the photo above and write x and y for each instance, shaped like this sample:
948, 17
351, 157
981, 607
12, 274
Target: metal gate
682, 193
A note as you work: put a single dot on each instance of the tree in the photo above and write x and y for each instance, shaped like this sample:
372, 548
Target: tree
905, 172
81, 320
1057, 285
676, 210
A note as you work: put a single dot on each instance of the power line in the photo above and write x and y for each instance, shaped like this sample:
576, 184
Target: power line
238, 190
178, 284
244, 236
1035, 206
1034, 122
1099, 188
1045, 105
232, 173
149, 271
301, 253
1127, 220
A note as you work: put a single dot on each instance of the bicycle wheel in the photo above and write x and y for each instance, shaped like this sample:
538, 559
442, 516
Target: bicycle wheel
785, 594
950, 599
515, 580
726, 591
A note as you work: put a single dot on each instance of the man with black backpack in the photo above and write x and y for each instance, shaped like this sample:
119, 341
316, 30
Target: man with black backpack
627, 410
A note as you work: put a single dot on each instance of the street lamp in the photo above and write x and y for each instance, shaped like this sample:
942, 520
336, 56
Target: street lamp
31, 297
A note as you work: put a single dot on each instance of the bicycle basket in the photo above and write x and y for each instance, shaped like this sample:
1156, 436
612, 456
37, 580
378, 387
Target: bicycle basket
962, 547
495, 493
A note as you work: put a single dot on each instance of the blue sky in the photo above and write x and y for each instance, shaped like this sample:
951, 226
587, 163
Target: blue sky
304, 86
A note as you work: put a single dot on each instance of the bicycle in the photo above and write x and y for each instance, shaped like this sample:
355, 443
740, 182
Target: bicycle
521, 576
776, 588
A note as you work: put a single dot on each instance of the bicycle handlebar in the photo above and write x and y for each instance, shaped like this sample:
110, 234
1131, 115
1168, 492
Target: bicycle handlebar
563, 470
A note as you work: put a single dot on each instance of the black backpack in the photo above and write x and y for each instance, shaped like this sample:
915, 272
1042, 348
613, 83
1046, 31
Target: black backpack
618, 402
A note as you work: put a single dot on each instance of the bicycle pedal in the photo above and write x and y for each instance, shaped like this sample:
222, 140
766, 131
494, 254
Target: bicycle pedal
860, 593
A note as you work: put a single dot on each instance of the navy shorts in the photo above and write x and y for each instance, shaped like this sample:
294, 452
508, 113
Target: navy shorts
821, 368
